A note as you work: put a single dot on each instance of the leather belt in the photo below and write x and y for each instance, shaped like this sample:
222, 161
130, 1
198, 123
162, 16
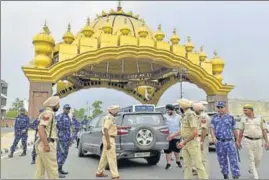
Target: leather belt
250, 138
224, 140
51, 140
201, 135
111, 136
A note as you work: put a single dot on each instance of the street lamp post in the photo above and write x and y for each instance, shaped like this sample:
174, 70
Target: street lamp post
181, 72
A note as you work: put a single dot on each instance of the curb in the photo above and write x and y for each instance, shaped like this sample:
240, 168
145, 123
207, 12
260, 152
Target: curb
6, 150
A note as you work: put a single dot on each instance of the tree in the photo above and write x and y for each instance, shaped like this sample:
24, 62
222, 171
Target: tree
79, 113
12, 114
97, 109
16, 105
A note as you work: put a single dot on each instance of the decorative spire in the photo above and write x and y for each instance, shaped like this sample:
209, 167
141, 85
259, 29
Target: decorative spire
215, 53
175, 39
202, 55
46, 29
160, 27
175, 31
159, 35
88, 21
189, 46
119, 5
189, 39
202, 48
69, 28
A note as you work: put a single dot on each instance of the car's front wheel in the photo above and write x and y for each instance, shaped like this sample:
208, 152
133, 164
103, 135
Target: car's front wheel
80, 151
153, 160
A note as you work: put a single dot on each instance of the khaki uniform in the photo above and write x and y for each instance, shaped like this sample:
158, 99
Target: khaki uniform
253, 140
191, 151
203, 122
47, 161
109, 156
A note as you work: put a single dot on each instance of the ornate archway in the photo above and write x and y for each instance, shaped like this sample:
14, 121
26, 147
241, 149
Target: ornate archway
118, 50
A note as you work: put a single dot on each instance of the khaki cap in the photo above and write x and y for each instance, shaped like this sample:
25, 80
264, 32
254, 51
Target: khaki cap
184, 103
113, 108
52, 101
248, 106
198, 107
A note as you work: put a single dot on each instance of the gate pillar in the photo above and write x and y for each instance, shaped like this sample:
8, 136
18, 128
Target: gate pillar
213, 99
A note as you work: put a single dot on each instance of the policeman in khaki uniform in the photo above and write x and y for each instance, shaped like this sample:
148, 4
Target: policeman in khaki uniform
190, 145
203, 131
253, 128
46, 160
109, 130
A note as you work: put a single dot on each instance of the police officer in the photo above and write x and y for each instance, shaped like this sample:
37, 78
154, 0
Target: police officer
76, 128
34, 126
189, 143
253, 128
223, 129
46, 160
109, 130
64, 134
203, 131
173, 124
21, 132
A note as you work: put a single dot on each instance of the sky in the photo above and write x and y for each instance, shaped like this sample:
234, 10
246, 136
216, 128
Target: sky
237, 30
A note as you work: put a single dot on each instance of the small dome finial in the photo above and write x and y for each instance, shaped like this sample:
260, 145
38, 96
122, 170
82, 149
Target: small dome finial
215, 53
160, 27
46, 29
202, 48
69, 28
175, 31
88, 21
189, 39
119, 5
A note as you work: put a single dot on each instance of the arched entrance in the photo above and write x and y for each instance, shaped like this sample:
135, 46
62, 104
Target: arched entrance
118, 50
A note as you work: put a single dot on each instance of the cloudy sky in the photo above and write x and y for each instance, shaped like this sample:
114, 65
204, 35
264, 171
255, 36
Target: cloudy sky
237, 30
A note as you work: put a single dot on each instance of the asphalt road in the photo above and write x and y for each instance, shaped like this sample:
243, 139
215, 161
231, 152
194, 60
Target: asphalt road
6, 130
85, 168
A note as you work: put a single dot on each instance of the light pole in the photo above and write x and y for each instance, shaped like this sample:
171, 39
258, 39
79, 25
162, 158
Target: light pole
181, 72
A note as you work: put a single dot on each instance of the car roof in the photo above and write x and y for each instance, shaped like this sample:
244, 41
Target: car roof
134, 113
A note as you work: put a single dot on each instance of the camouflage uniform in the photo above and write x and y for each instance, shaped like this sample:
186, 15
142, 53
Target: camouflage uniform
34, 126
224, 127
21, 132
76, 126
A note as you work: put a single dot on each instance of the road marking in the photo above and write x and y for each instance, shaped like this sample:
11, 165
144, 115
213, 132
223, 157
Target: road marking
16, 152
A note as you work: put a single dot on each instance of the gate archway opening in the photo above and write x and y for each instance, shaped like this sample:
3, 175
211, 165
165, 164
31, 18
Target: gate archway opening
118, 50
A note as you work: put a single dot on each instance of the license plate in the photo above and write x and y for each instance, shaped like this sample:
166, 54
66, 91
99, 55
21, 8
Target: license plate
143, 154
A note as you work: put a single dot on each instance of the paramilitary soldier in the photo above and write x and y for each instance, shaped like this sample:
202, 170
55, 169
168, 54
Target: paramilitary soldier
34, 126
253, 128
223, 131
203, 131
21, 132
46, 160
109, 130
189, 144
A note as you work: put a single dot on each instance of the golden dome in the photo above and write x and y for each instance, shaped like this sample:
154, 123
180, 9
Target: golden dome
42, 61
217, 60
159, 34
175, 39
189, 46
217, 66
143, 31
87, 30
44, 36
68, 36
107, 28
202, 55
117, 21
125, 30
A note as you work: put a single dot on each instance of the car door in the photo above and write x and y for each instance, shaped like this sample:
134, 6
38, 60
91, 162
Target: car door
96, 135
87, 135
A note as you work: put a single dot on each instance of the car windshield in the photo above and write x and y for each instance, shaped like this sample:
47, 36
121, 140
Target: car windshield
137, 119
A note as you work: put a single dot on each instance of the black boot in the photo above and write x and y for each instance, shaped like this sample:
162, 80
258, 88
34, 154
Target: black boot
60, 169
225, 176
33, 160
236, 177
23, 153
10, 155
61, 175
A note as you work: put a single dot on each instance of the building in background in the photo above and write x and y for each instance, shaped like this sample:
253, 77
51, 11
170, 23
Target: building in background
4, 87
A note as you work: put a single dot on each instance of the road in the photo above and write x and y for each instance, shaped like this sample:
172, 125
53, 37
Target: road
85, 168
6, 130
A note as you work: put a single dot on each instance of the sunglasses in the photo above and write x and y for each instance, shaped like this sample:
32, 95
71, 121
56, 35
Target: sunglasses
220, 107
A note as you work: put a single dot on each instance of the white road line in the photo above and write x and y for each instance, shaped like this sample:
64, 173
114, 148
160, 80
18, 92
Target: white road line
16, 152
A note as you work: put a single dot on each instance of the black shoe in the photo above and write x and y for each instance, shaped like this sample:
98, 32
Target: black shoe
194, 172
168, 166
33, 162
61, 175
225, 176
236, 177
23, 154
10, 155
62, 172
179, 164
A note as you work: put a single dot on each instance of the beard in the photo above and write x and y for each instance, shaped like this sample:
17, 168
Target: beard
170, 113
55, 109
